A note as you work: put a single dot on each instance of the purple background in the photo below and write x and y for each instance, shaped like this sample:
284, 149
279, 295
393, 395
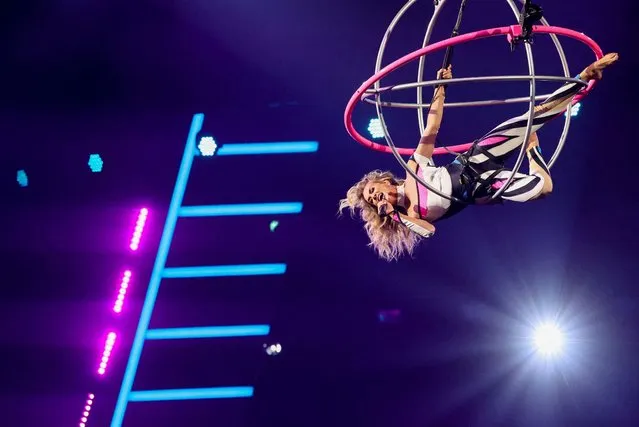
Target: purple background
123, 79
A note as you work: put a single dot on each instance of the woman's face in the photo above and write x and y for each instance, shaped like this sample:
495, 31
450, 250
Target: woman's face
376, 192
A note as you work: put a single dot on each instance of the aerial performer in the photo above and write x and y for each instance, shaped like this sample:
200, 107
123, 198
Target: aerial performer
399, 212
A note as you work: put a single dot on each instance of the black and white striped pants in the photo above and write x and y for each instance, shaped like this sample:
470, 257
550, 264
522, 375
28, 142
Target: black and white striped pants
504, 141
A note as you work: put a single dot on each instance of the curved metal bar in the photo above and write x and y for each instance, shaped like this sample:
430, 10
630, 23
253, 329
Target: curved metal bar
488, 102
422, 60
389, 30
481, 79
564, 65
531, 116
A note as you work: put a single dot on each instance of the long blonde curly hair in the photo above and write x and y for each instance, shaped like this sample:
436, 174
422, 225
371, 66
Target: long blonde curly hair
389, 238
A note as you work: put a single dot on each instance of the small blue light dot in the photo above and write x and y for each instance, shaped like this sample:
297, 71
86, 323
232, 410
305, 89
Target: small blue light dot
22, 178
95, 163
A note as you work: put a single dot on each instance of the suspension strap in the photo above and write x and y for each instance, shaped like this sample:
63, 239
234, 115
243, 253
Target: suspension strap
448, 57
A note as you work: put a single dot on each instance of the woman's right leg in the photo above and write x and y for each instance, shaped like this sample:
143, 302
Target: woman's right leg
536, 164
524, 187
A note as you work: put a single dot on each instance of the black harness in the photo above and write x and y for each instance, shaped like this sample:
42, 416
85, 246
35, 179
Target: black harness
467, 181
471, 174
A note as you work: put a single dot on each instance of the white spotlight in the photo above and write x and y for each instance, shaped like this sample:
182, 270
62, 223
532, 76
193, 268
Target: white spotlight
548, 339
207, 146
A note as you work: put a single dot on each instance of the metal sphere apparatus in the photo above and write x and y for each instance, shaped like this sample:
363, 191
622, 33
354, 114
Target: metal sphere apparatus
521, 33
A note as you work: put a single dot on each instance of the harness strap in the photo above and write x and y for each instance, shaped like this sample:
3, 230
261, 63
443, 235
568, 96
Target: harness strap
471, 176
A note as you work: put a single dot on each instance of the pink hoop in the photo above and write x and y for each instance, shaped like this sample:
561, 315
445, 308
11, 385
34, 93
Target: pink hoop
510, 32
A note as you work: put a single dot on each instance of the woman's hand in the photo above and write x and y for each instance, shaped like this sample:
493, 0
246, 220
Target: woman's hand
385, 208
445, 73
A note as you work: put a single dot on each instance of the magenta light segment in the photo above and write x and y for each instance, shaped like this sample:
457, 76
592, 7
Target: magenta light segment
139, 229
106, 354
124, 284
87, 410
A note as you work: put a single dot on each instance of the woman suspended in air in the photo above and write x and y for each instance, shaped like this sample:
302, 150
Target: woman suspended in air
398, 213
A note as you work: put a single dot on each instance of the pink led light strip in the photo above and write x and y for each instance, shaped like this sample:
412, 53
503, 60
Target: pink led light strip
87, 410
117, 308
124, 284
139, 229
106, 353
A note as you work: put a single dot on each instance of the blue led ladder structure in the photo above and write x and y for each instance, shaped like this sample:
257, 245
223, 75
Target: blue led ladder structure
160, 271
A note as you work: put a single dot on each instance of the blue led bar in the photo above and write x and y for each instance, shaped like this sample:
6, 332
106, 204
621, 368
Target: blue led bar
160, 272
190, 394
223, 271
241, 209
208, 332
156, 274
252, 148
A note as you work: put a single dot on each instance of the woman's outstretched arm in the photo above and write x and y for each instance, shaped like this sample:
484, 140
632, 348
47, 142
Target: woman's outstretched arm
416, 225
427, 141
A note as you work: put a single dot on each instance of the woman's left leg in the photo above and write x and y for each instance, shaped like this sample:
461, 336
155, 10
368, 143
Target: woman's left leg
503, 141
486, 158
506, 139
